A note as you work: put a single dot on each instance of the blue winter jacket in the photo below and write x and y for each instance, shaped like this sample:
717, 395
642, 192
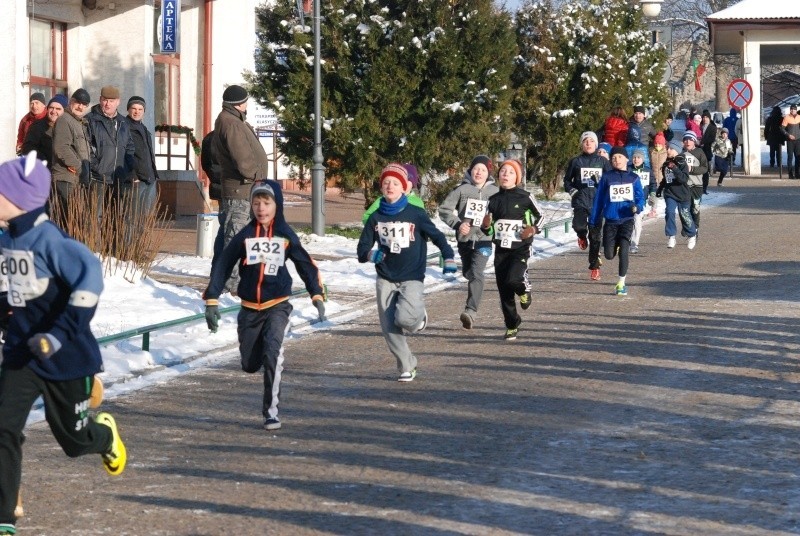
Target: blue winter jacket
57, 295
617, 194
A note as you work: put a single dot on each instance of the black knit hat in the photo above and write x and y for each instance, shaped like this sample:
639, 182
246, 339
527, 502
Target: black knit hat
136, 100
234, 95
82, 96
481, 159
619, 150
39, 97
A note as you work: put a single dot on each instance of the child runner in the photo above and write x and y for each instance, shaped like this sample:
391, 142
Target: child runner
675, 189
582, 175
401, 231
658, 155
648, 183
54, 287
697, 163
618, 199
265, 287
463, 209
722, 149
413, 198
512, 219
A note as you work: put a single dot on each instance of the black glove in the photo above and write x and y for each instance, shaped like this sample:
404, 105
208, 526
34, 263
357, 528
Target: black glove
320, 309
43, 345
212, 317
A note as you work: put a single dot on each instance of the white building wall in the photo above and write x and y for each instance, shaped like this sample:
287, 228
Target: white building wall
13, 39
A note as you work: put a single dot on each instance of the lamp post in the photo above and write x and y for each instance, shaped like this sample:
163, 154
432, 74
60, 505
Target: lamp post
317, 169
651, 8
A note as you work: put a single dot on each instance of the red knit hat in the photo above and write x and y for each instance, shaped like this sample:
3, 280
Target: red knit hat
396, 171
660, 139
516, 165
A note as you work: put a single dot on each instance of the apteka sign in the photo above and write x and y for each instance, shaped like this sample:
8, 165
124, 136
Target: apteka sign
170, 13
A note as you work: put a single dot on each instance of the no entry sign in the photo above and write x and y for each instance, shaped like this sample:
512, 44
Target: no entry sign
740, 94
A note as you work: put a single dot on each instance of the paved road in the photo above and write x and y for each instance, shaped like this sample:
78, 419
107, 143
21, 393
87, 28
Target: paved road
674, 410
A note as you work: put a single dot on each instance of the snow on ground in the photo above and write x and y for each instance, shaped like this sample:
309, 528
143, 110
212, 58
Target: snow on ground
126, 306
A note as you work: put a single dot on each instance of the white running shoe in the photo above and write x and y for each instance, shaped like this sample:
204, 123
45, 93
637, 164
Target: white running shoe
671, 242
692, 242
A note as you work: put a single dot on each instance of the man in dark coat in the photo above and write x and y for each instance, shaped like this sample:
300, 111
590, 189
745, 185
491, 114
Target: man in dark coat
142, 181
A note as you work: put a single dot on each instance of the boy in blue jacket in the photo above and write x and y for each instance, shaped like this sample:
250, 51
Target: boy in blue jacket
265, 287
401, 231
618, 199
54, 285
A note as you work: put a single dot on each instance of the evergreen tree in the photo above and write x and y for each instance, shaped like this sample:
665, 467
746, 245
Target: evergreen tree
421, 81
576, 62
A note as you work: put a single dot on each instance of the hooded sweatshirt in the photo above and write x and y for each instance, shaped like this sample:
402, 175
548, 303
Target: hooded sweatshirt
468, 202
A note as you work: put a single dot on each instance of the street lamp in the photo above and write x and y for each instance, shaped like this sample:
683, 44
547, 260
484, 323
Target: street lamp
651, 8
317, 169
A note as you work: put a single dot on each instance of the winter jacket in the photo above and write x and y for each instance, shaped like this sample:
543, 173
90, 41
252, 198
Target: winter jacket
694, 127
646, 129
730, 123
58, 296
635, 142
582, 175
709, 137
619, 197
698, 165
722, 148
409, 260
262, 284
675, 183
71, 151
40, 139
657, 159
453, 210
241, 157
791, 126
510, 210
112, 159
772, 129
24, 125
647, 179
144, 168
615, 131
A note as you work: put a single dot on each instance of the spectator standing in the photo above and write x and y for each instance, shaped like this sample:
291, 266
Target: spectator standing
615, 129
646, 129
709, 129
668, 132
71, 150
693, 125
142, 185
40, 135
774, 136
791, 129
37, 106
112, 148
730, 123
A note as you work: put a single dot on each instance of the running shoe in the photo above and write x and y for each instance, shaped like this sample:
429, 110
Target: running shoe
634, 248
408, 376
621, 289
594, 273
583, 243
466, 320
691, 243
525, 300
511, 334
272, 423
113, 460
671, 242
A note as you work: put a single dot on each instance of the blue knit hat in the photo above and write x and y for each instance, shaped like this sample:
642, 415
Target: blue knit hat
605, 146
60, 99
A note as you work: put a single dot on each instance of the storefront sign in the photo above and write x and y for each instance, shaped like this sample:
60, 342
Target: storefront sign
170, 14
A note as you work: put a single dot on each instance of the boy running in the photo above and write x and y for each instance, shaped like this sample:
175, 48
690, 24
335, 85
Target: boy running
512, 219
54, 287
401, 231
265, 287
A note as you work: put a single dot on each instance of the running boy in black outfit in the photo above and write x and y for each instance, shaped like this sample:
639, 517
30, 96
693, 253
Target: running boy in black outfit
265, 287
512, 219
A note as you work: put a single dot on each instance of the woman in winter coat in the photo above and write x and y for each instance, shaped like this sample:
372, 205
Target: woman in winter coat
615, 129
774, 136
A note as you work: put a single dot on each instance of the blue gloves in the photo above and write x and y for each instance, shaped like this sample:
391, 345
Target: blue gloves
212, 317
43, 345
376, 256
450, 266
320, 310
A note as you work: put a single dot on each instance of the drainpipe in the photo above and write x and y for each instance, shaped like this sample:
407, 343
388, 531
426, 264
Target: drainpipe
207, 63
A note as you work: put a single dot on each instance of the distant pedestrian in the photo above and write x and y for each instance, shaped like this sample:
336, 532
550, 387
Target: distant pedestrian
723, 152
463, 210
141, 185
791, 129
512, 219
646, 130
37, 107
399, 232
71, 150
730, 123
580, 179
709, 129
260, 250
618, 199
774, 136
648, 184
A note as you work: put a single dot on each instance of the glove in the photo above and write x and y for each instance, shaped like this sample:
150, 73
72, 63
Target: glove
528, 231
212, 317
376, 256
634, 209
44, 345
651, 200
487, 221
320, 310
671, 164
450, 266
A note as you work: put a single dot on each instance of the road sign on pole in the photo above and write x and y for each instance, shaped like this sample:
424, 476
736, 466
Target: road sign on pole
740, 94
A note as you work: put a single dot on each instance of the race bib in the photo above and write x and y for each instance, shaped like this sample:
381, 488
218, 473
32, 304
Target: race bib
620, 192
644, 177
507, 231
590, 176
3, 274
21, 276
395, 235
269, 251
476, 210
668, 175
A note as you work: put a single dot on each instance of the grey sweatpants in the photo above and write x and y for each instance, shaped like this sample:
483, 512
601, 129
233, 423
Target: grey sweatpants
234, 215
473, 261
400, 306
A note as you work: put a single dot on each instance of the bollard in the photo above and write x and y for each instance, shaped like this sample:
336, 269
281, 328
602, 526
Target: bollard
207, 228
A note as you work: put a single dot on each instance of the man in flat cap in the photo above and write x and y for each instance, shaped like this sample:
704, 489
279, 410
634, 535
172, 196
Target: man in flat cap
38, 110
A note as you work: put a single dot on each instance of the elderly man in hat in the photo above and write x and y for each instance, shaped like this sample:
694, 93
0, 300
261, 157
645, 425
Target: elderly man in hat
38, 110
112, 147
242, 161
144, 174
70, 150
791, 129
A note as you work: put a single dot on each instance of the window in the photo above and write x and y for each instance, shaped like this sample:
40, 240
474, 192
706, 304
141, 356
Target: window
48, 57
